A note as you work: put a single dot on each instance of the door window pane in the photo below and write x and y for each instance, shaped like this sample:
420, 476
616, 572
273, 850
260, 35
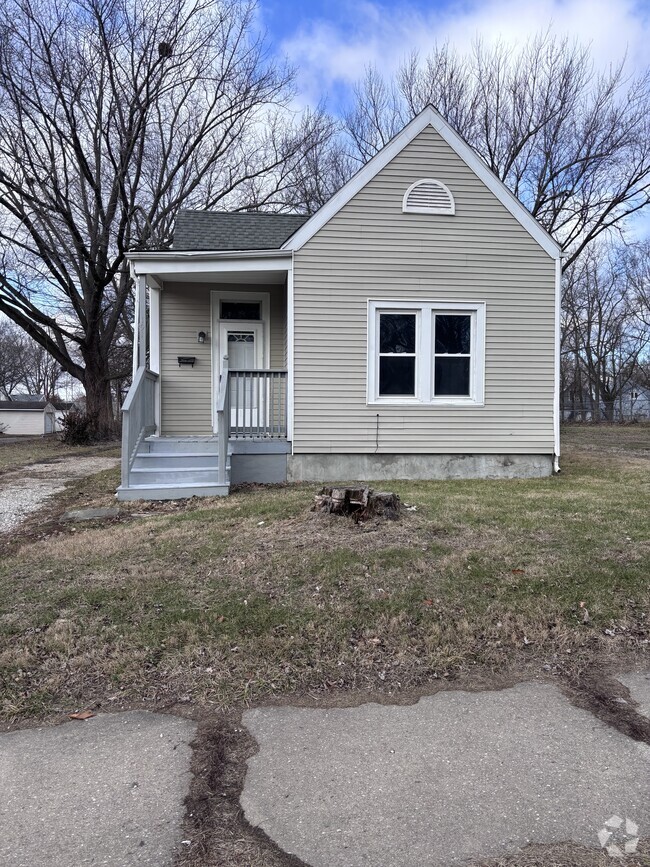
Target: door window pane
453, 334
451, 376
397, 375
241, 350
397, 332
240, 310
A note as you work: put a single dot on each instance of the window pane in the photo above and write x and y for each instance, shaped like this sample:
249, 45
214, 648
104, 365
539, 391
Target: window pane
452, 376
453, 333
240, 310
397, 332
397, 375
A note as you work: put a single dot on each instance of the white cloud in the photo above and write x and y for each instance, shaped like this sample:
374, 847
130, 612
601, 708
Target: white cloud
332, 56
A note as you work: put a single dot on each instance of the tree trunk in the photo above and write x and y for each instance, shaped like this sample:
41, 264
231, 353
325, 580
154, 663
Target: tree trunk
99, 397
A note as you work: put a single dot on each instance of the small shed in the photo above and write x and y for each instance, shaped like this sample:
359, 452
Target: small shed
22, 417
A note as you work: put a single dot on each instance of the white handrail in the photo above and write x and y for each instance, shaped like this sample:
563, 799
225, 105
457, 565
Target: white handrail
138, 417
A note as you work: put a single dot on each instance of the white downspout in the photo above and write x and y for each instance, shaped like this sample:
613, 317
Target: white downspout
556, 392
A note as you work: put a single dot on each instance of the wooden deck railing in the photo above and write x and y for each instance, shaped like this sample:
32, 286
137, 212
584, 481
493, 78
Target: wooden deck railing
138, 417
258, 404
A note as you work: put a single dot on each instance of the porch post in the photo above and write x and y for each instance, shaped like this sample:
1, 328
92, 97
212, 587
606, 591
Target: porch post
290, 353
140, 325
154, 347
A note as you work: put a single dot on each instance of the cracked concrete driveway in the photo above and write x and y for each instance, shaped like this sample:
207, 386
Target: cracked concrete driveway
457, 776
25, 490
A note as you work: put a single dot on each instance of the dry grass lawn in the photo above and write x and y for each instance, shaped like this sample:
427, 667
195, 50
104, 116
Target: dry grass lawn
220, 602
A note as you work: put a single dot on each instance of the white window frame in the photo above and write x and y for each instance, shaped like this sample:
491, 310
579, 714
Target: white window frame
425, 352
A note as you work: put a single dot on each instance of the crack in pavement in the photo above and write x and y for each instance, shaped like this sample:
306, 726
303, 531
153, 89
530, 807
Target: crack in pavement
214, 815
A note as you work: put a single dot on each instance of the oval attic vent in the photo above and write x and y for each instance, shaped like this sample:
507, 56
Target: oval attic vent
428, 197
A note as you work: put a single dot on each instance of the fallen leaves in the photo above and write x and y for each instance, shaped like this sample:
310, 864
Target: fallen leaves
81, 715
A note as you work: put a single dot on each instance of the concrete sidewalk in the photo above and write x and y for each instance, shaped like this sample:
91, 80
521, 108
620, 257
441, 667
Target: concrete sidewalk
459, 775
107, 791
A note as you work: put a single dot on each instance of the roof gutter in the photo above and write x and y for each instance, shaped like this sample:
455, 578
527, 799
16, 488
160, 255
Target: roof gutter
203, 255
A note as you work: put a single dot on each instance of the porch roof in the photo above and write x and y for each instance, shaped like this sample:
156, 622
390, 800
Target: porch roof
217, 231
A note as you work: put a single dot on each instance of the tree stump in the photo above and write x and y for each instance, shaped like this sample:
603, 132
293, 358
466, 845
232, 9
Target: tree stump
358, 503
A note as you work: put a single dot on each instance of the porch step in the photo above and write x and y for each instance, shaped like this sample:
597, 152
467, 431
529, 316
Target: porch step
182, 445
172, 492
161, 460
157, 475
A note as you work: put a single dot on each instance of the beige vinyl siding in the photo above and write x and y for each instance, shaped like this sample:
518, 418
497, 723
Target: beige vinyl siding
372, 250
186, 392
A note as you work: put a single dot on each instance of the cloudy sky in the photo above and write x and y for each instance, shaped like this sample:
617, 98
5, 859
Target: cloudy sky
331, 41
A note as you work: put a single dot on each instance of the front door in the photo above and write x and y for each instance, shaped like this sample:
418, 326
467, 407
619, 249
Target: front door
242, 344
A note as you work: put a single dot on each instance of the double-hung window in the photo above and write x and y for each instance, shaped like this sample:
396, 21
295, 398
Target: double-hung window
426, 352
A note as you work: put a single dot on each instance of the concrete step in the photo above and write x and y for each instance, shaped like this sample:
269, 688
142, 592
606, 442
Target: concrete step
174, 460
183, 445
172, 492
175, 476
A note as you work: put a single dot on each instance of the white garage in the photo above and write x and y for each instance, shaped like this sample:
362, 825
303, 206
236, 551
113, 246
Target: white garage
27, 417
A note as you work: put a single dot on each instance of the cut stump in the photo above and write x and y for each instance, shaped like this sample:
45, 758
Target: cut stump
358, 503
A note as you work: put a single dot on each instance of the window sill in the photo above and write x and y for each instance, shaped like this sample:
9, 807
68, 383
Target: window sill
442, 402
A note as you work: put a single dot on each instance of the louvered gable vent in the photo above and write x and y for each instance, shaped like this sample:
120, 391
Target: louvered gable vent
428, 197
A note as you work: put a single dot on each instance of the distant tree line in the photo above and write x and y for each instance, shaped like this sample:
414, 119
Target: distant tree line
25, 366
605, 366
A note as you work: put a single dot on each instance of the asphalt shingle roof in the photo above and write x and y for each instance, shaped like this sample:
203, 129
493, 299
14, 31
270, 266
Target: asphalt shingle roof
214, 230
36, 405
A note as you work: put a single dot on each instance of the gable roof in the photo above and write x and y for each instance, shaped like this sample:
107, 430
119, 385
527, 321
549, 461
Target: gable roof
24, 404
215, 230
428, 116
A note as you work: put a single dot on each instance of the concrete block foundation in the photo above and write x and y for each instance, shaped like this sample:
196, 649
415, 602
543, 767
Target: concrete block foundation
352, 467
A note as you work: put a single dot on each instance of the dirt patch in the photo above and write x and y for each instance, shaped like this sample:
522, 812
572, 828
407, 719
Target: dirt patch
609, 700
214, 822
566, 855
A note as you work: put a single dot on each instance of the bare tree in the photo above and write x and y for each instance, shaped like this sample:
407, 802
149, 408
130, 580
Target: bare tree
637, 261
25, 366
604, 342
11, 340
113, 114
571, 143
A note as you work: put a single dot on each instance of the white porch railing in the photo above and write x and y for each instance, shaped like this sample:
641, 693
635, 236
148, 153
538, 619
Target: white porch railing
138, 417
257, 401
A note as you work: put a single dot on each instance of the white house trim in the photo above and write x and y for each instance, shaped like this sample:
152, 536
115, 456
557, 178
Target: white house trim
428, 116
154, 348
140, 324
290, 355
207, 255
556, 390
181, 264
